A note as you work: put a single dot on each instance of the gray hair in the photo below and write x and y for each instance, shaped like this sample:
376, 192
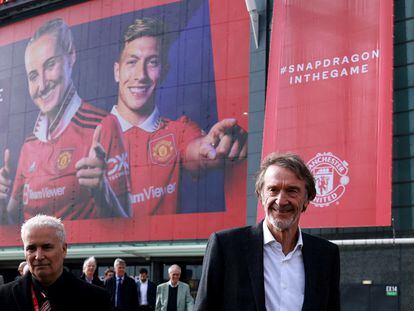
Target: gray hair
119, 261
289, 161
60, 30
88, 260
44, 221
174, 267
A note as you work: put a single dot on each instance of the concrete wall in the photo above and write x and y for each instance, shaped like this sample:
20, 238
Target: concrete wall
382, 264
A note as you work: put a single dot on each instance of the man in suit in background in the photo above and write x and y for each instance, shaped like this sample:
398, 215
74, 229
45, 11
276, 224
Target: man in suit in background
122, 288
88, 272
109, 273
147, 291
21, 269
174, 295
272, 265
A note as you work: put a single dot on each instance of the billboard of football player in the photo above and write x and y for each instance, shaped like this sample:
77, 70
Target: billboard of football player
159, 147
62, 170
140, 120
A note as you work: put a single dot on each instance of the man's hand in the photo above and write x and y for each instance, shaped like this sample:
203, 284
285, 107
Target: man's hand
226, 139
5, 181
91, 169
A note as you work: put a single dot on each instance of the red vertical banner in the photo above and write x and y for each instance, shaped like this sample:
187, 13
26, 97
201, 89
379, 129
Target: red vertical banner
329, 99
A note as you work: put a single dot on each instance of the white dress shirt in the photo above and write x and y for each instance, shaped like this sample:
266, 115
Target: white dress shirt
143, 289
284, 276
171, 284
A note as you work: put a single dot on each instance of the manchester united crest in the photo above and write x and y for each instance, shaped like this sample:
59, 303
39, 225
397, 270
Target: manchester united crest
331, 178
64, 159
162, 150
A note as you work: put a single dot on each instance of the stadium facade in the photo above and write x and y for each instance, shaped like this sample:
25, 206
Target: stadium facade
376, 262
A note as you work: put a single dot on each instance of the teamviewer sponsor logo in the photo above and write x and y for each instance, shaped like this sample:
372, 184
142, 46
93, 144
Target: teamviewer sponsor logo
44, 193
152, 193
118, 166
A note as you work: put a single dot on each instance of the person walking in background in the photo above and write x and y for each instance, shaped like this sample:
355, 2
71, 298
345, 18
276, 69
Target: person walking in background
174, 295
122, 288
88, 275
272, 265
20, 269
47, 286
147, 291
109, 273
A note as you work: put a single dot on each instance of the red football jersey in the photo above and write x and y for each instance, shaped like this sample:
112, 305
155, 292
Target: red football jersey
155, 160
46, 180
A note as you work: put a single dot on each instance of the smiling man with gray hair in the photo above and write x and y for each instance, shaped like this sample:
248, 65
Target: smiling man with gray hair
272, 265
47, 285
88, 272
174, 295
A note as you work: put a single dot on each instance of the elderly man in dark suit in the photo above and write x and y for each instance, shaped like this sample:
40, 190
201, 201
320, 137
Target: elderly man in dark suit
122, 288
272, 265
47, 286
88, 274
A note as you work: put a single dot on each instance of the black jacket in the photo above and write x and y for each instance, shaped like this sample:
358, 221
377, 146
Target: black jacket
233, 277
129, 294
68, 293
151, 293
95, 281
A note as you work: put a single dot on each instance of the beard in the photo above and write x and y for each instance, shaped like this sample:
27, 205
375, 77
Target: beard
278, 223
281, 224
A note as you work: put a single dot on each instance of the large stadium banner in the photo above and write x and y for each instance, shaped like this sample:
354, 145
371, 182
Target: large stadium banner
126, 119
329, 99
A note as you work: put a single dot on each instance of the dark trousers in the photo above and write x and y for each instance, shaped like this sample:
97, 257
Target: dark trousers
145, 308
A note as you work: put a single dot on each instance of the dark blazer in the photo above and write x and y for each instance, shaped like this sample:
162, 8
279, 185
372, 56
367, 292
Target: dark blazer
151, 293
233, 278
67, 293
129, 294
95, 281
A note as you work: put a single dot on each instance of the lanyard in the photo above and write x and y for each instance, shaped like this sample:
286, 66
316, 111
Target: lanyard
34, 298
35, 302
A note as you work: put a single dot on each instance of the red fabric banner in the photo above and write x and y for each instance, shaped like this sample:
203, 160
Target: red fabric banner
172, 196
329, 99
